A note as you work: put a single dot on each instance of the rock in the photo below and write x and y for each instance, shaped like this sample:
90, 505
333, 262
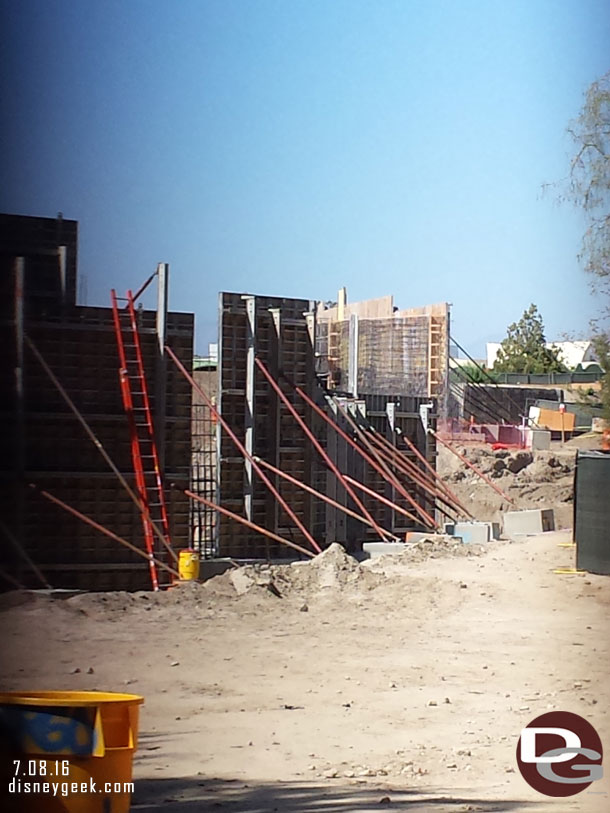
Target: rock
499, 465
90, 670
385, 800
304, 608
333, 565
241, 581
432, 703
75, 671
519, 461
331, 774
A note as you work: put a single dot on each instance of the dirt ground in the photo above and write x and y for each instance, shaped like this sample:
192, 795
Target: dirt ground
333, 687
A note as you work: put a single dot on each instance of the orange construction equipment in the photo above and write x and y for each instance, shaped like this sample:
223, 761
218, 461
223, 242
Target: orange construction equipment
143, 446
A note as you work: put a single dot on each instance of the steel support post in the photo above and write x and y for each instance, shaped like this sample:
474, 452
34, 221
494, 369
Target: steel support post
250, 403
161, 364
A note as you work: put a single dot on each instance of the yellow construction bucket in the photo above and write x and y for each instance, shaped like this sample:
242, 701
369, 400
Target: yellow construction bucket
67, 752
188, 565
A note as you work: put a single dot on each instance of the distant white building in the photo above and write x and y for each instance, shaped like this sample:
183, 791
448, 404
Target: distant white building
570, 353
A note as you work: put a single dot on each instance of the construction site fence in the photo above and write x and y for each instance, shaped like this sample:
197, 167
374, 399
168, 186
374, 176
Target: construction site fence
547, 378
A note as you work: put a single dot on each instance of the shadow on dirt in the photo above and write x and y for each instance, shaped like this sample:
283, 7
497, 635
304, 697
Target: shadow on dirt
193, 795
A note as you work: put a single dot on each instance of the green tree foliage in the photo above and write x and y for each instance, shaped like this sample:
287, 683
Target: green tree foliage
472, 373
524, 349
589, 183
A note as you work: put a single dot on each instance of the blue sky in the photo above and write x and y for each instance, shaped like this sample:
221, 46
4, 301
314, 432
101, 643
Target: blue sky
293, 147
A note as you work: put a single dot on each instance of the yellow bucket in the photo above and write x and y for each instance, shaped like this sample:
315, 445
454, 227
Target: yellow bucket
67, 752
188, 565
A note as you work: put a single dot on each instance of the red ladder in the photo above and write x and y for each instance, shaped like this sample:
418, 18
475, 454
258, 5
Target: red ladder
144, 454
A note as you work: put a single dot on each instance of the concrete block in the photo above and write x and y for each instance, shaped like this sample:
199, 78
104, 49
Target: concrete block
477, 532
537, 439
373, 550
473, 531
417, 536
532, 521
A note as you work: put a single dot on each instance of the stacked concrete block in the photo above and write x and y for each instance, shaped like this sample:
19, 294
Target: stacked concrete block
525, 523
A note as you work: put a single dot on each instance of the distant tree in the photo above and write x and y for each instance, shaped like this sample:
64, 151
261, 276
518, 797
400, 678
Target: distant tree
589, 182
589, 189
524, 349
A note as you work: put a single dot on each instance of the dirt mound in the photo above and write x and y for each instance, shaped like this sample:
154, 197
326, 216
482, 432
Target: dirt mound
430, 548
538, 479
331, 573
333, 568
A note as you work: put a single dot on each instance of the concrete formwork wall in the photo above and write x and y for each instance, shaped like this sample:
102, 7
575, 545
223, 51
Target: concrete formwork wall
278, 440
399, 353
54, 453
276, 436
384, 413
61, 459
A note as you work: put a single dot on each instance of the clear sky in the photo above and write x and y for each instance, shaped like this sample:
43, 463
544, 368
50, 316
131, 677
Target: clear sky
289, 147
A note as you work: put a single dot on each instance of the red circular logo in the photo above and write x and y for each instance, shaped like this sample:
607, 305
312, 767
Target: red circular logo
560, 754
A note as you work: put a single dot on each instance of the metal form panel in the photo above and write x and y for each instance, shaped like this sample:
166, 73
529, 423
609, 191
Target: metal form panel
281, 331
49, 246
592, 511
203, 464
79, 345
278, 330
386, 413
